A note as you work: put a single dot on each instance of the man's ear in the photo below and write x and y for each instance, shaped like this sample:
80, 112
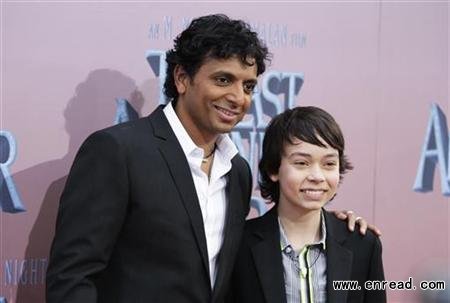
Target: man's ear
180, 78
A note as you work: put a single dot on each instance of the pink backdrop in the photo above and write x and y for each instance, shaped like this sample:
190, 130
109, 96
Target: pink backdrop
376, 66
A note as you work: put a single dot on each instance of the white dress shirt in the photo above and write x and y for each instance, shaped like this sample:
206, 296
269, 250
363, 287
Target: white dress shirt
211, 193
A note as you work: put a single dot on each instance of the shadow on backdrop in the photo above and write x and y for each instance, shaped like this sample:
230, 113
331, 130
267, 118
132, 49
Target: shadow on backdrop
92, 107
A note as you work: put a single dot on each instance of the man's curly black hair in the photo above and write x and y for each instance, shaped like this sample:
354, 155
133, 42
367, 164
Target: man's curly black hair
213, 36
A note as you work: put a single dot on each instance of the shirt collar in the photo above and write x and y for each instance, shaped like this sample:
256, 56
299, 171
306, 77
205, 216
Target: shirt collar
224, 145
284, 242
226, 148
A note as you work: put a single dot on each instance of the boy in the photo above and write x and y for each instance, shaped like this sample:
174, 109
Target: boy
295, 251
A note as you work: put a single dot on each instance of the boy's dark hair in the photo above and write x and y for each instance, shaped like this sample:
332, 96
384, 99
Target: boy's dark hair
306, 124
213, 36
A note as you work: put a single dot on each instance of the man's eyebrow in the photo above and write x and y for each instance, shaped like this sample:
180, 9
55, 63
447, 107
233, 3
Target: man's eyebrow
232, 76
253, 81
223, 74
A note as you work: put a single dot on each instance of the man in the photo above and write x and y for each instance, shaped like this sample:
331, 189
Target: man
153, 209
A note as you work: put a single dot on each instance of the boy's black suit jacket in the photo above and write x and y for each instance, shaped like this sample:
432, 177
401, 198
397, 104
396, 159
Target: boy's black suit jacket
129, 226
258, 274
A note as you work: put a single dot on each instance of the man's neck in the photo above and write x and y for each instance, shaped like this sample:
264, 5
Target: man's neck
203, 140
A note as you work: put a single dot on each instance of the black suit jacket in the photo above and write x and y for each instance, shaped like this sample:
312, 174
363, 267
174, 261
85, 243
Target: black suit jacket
129, 226
258, 274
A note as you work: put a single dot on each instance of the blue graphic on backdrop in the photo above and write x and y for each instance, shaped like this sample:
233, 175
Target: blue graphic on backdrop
265, 104
9, 197
157, 61
24, 271
435, 151
124, 111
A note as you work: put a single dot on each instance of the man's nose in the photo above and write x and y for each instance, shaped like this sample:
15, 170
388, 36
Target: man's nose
236, 95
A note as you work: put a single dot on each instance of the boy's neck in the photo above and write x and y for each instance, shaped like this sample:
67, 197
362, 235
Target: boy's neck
301, 229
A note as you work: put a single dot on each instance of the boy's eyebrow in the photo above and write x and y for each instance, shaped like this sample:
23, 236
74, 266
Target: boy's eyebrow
329, 155
332, 155
300, 154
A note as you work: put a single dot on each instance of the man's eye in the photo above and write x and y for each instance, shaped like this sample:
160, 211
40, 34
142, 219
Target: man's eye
249, 88
301, 163
222, 80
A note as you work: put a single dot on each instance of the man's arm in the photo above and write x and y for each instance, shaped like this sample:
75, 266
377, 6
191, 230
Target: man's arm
352, 219
92, 209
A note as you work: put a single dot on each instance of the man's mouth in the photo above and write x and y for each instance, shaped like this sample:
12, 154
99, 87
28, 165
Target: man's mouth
226, 113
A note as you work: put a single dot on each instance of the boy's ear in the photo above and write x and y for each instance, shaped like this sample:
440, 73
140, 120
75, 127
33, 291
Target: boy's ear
274, 177
180, 78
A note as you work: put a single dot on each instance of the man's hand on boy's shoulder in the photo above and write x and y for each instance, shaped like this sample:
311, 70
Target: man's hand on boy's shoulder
352, 220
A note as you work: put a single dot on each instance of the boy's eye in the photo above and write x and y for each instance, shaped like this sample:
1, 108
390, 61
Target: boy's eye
331, 164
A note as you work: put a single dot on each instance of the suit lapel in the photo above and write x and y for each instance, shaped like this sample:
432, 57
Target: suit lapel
179, 169
339, 258
267, 257
234, 224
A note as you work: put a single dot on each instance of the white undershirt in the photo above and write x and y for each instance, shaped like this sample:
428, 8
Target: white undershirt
211, 193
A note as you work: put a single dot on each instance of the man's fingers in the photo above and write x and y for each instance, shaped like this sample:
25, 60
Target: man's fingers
374, 229
341, 214
362, 225
351, 219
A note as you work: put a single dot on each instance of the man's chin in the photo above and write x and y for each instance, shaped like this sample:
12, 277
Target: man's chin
225, 128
